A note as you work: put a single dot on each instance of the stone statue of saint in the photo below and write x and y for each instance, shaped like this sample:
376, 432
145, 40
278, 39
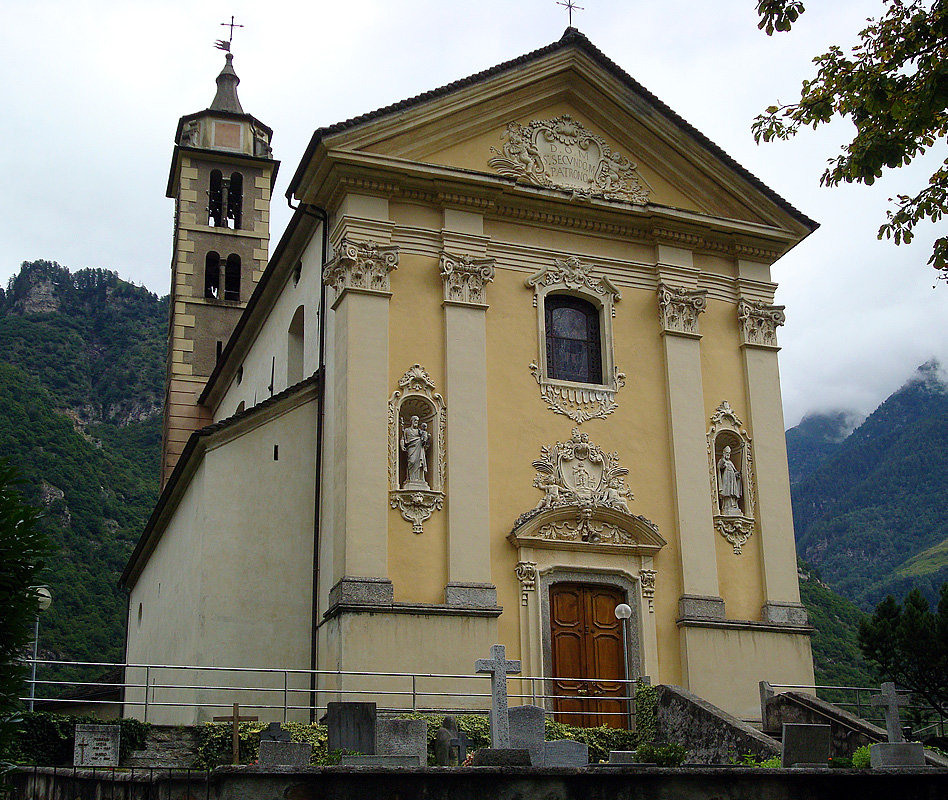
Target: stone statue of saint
414, 442
729, 485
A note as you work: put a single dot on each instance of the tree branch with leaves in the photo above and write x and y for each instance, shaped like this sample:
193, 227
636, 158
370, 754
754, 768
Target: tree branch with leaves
893, 87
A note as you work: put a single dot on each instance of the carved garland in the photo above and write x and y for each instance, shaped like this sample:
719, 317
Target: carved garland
561, 153
417, 396
732, 477
579, 402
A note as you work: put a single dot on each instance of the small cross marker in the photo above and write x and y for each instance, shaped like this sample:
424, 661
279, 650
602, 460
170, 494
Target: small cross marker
499, 667
890, 700
235, 719
224, 44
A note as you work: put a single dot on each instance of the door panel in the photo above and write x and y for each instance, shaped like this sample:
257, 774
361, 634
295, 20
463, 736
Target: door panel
587, 643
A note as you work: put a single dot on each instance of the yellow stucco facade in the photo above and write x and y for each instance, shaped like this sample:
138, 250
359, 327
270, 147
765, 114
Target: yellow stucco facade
426, 248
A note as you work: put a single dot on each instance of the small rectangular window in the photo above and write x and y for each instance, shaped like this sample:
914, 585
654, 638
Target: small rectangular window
276, 452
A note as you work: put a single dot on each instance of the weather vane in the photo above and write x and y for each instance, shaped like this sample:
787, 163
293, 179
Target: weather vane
224, 44
570, 6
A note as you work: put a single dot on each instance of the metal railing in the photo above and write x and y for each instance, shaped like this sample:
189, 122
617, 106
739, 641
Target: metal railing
924, 720
146, 688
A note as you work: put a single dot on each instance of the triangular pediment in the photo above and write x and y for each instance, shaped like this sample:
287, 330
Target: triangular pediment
626, 136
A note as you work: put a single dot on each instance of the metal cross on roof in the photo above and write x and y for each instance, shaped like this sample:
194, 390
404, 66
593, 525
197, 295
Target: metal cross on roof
222, 44
570, 6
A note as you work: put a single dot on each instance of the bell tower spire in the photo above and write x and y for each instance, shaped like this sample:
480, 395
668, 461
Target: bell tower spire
222, 175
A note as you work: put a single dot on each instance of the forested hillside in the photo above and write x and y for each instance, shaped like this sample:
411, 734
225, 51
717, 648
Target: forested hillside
81, 382
872, 514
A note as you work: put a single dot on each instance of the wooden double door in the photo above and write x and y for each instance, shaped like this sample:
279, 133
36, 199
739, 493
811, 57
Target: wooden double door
586, 642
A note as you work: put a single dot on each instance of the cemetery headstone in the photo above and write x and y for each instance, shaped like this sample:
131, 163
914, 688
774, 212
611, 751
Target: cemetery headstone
403, 737
97, 746
274, 733
351, 726
499, 668
235, 719
447, 733
501, 757
805, 745
277, 749
890, 700
527, 728
565, 753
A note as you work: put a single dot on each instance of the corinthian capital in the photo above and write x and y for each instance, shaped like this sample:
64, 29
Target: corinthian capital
465, 278
361, 265
759, 322
679, 308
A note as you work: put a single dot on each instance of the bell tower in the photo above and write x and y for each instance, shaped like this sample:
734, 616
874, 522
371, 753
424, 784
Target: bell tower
222, 174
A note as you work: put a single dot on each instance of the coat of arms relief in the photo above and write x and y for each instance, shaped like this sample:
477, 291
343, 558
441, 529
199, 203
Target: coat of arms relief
579, 478
561, 153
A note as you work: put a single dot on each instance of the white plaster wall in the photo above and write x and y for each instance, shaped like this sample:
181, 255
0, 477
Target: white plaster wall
236, 572
271, 341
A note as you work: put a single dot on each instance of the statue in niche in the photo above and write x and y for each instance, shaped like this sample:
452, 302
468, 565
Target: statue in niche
729, 485
414, 443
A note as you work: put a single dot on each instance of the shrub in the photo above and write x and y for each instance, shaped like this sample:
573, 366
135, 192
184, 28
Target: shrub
48, 739
862, 758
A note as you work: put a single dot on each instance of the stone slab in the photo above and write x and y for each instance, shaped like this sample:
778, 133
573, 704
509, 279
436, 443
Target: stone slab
565, 753
626, 757
379, 761
805, 744
403, 737
897, 754
351, 726
501, 757
274, 753
527, 725
96, 746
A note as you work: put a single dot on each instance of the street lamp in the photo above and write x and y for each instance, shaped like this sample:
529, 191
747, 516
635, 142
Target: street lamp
623, 614
43, 601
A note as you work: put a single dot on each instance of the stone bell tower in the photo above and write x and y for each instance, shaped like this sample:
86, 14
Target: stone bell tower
222, 174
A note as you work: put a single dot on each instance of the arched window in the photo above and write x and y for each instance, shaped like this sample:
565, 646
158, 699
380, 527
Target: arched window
215, 200
212, 275
232, 278
573, 342
235, 199
294, 349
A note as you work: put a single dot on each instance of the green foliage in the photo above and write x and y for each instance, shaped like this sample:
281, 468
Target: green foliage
750, 760
662, 755
908, 644
646, 714
893, 87
862, 758
23, 550
837, 659
48, 740
81, 377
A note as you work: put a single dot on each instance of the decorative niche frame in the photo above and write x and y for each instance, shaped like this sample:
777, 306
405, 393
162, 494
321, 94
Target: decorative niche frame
732, 487
416, 396
578, 401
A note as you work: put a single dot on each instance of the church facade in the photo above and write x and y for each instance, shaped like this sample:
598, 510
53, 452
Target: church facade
512, 364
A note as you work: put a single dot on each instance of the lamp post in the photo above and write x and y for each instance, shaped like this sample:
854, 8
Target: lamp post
623, 613
43, 601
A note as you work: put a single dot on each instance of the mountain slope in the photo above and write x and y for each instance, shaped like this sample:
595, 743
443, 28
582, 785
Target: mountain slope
80, 380
882, 497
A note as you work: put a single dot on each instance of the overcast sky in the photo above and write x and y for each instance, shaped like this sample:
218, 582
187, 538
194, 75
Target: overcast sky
91, 92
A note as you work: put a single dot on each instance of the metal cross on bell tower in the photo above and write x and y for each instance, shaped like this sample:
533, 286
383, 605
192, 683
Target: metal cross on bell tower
224, 44
570, 6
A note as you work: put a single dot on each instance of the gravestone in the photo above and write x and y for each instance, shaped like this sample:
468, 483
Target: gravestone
378, 761
403, 737
447, 736
565, 753
501, 757
276, 749
527, 728
896, 752
805, 745
351, 726
499, 668
97, 746
890, 700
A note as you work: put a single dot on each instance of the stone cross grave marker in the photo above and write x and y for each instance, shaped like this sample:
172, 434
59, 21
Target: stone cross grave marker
890, 700
235, 719
499, 668
97, 746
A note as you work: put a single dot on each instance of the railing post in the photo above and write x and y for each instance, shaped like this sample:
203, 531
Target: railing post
285, 694
147, 675
413, 693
